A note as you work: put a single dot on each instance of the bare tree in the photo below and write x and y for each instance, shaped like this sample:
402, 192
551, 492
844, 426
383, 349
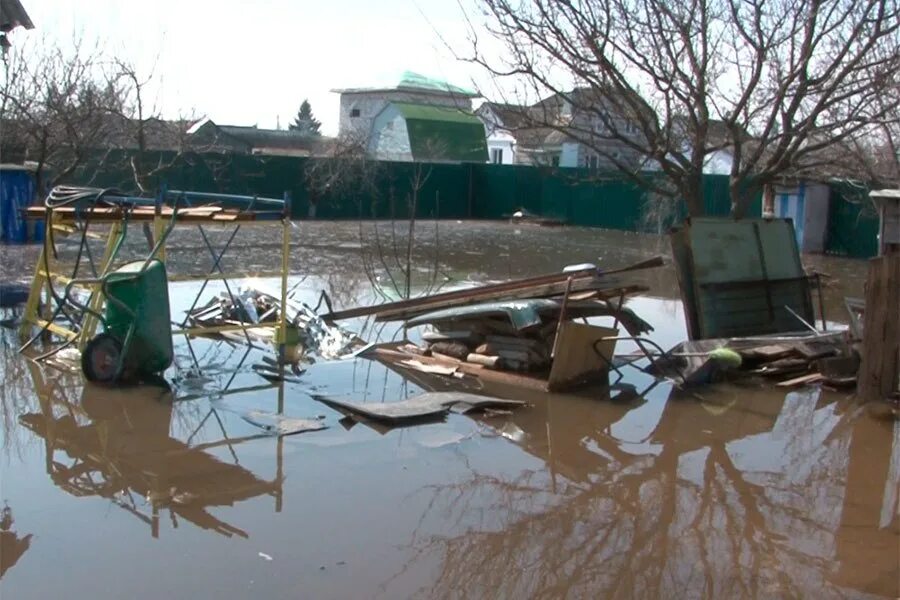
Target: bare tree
389, 251
773, 82
153, 145
391, 264
79, 113
53, 106
874, 154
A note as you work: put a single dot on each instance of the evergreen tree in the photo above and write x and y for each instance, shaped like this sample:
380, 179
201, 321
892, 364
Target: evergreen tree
305, 122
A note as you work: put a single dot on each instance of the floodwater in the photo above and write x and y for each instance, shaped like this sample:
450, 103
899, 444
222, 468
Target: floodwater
631, 490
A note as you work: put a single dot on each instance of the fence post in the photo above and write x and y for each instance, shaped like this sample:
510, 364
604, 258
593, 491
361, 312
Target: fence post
470, 199
880, 366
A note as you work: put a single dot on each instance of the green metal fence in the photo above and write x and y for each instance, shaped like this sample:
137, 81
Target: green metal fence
352, 190
852, 222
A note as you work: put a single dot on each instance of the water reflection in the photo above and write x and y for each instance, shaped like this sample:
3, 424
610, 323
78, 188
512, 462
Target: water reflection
632, 491
12, 544
720, 500
127, 447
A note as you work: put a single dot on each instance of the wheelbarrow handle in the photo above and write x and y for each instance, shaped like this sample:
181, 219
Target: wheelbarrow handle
67, 296
103, 282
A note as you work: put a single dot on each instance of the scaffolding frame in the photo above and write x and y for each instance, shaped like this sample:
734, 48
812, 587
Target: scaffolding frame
187, 209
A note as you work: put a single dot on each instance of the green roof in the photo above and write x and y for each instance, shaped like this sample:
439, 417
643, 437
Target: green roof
428, 112
420, 82
413, 81
443, 133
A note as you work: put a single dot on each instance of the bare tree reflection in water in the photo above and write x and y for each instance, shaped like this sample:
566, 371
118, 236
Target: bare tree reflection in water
16, 394
144, 453
12, 545
734, 505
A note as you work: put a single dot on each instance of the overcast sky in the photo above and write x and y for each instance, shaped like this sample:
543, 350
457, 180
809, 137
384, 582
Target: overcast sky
246, 62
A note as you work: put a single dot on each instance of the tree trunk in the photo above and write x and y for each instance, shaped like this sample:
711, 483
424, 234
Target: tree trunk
742, 193
692, 192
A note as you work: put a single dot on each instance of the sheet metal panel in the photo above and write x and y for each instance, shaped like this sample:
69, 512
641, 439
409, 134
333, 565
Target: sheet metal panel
738, 276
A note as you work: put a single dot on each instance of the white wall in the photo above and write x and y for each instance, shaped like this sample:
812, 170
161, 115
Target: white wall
815, 228
718, 163
569, 153
504, 142
807, 205
370, 104
497, 137
390, 137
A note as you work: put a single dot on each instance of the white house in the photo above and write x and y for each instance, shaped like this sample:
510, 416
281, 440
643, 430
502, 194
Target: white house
501, 121
360, 106
553, 131
567, 130
414, 118
418, 132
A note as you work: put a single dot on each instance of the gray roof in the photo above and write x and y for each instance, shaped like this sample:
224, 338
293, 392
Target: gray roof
254, 139
511, 116
12, 15
271, 138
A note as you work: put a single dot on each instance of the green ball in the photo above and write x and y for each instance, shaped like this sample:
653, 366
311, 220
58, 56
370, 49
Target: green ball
726, 357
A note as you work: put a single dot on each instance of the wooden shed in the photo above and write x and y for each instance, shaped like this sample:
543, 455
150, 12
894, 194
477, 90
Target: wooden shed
888, 204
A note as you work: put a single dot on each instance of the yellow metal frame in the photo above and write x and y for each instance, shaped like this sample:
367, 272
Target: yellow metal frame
40, 285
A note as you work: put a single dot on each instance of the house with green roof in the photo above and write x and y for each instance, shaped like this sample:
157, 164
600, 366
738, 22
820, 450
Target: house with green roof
413, 118
419, 132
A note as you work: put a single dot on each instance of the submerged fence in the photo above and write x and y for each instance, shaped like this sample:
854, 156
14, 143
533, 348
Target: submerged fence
339, 189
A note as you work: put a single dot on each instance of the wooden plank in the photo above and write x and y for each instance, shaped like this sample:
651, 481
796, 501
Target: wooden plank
101, 214
576, 358
600, 286
880, 366
528, 381
768, 352
444, 299
515, 288
802, 380
483, 359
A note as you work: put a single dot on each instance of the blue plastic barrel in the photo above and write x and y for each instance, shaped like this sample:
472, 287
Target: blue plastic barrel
16, 192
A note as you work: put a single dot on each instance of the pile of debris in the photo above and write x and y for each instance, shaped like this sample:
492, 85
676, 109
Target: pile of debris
521, 332
257, 306
476, 345
511, 336
827, 358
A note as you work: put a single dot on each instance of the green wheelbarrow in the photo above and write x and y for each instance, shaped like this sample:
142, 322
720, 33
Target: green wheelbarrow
137, 337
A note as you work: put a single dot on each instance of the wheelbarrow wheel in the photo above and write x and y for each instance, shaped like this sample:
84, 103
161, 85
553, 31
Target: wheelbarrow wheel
100, 359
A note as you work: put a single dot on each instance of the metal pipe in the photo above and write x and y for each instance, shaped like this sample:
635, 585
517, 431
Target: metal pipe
214, 196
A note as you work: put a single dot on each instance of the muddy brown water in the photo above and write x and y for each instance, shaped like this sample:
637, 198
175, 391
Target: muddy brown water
636, 490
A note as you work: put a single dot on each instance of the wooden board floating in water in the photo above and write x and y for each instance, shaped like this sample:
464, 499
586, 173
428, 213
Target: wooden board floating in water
805, 379
423, 406
280, 424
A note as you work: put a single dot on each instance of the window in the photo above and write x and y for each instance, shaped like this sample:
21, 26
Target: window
497, 156
602, 122
354, 112
593, 161
554, 160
